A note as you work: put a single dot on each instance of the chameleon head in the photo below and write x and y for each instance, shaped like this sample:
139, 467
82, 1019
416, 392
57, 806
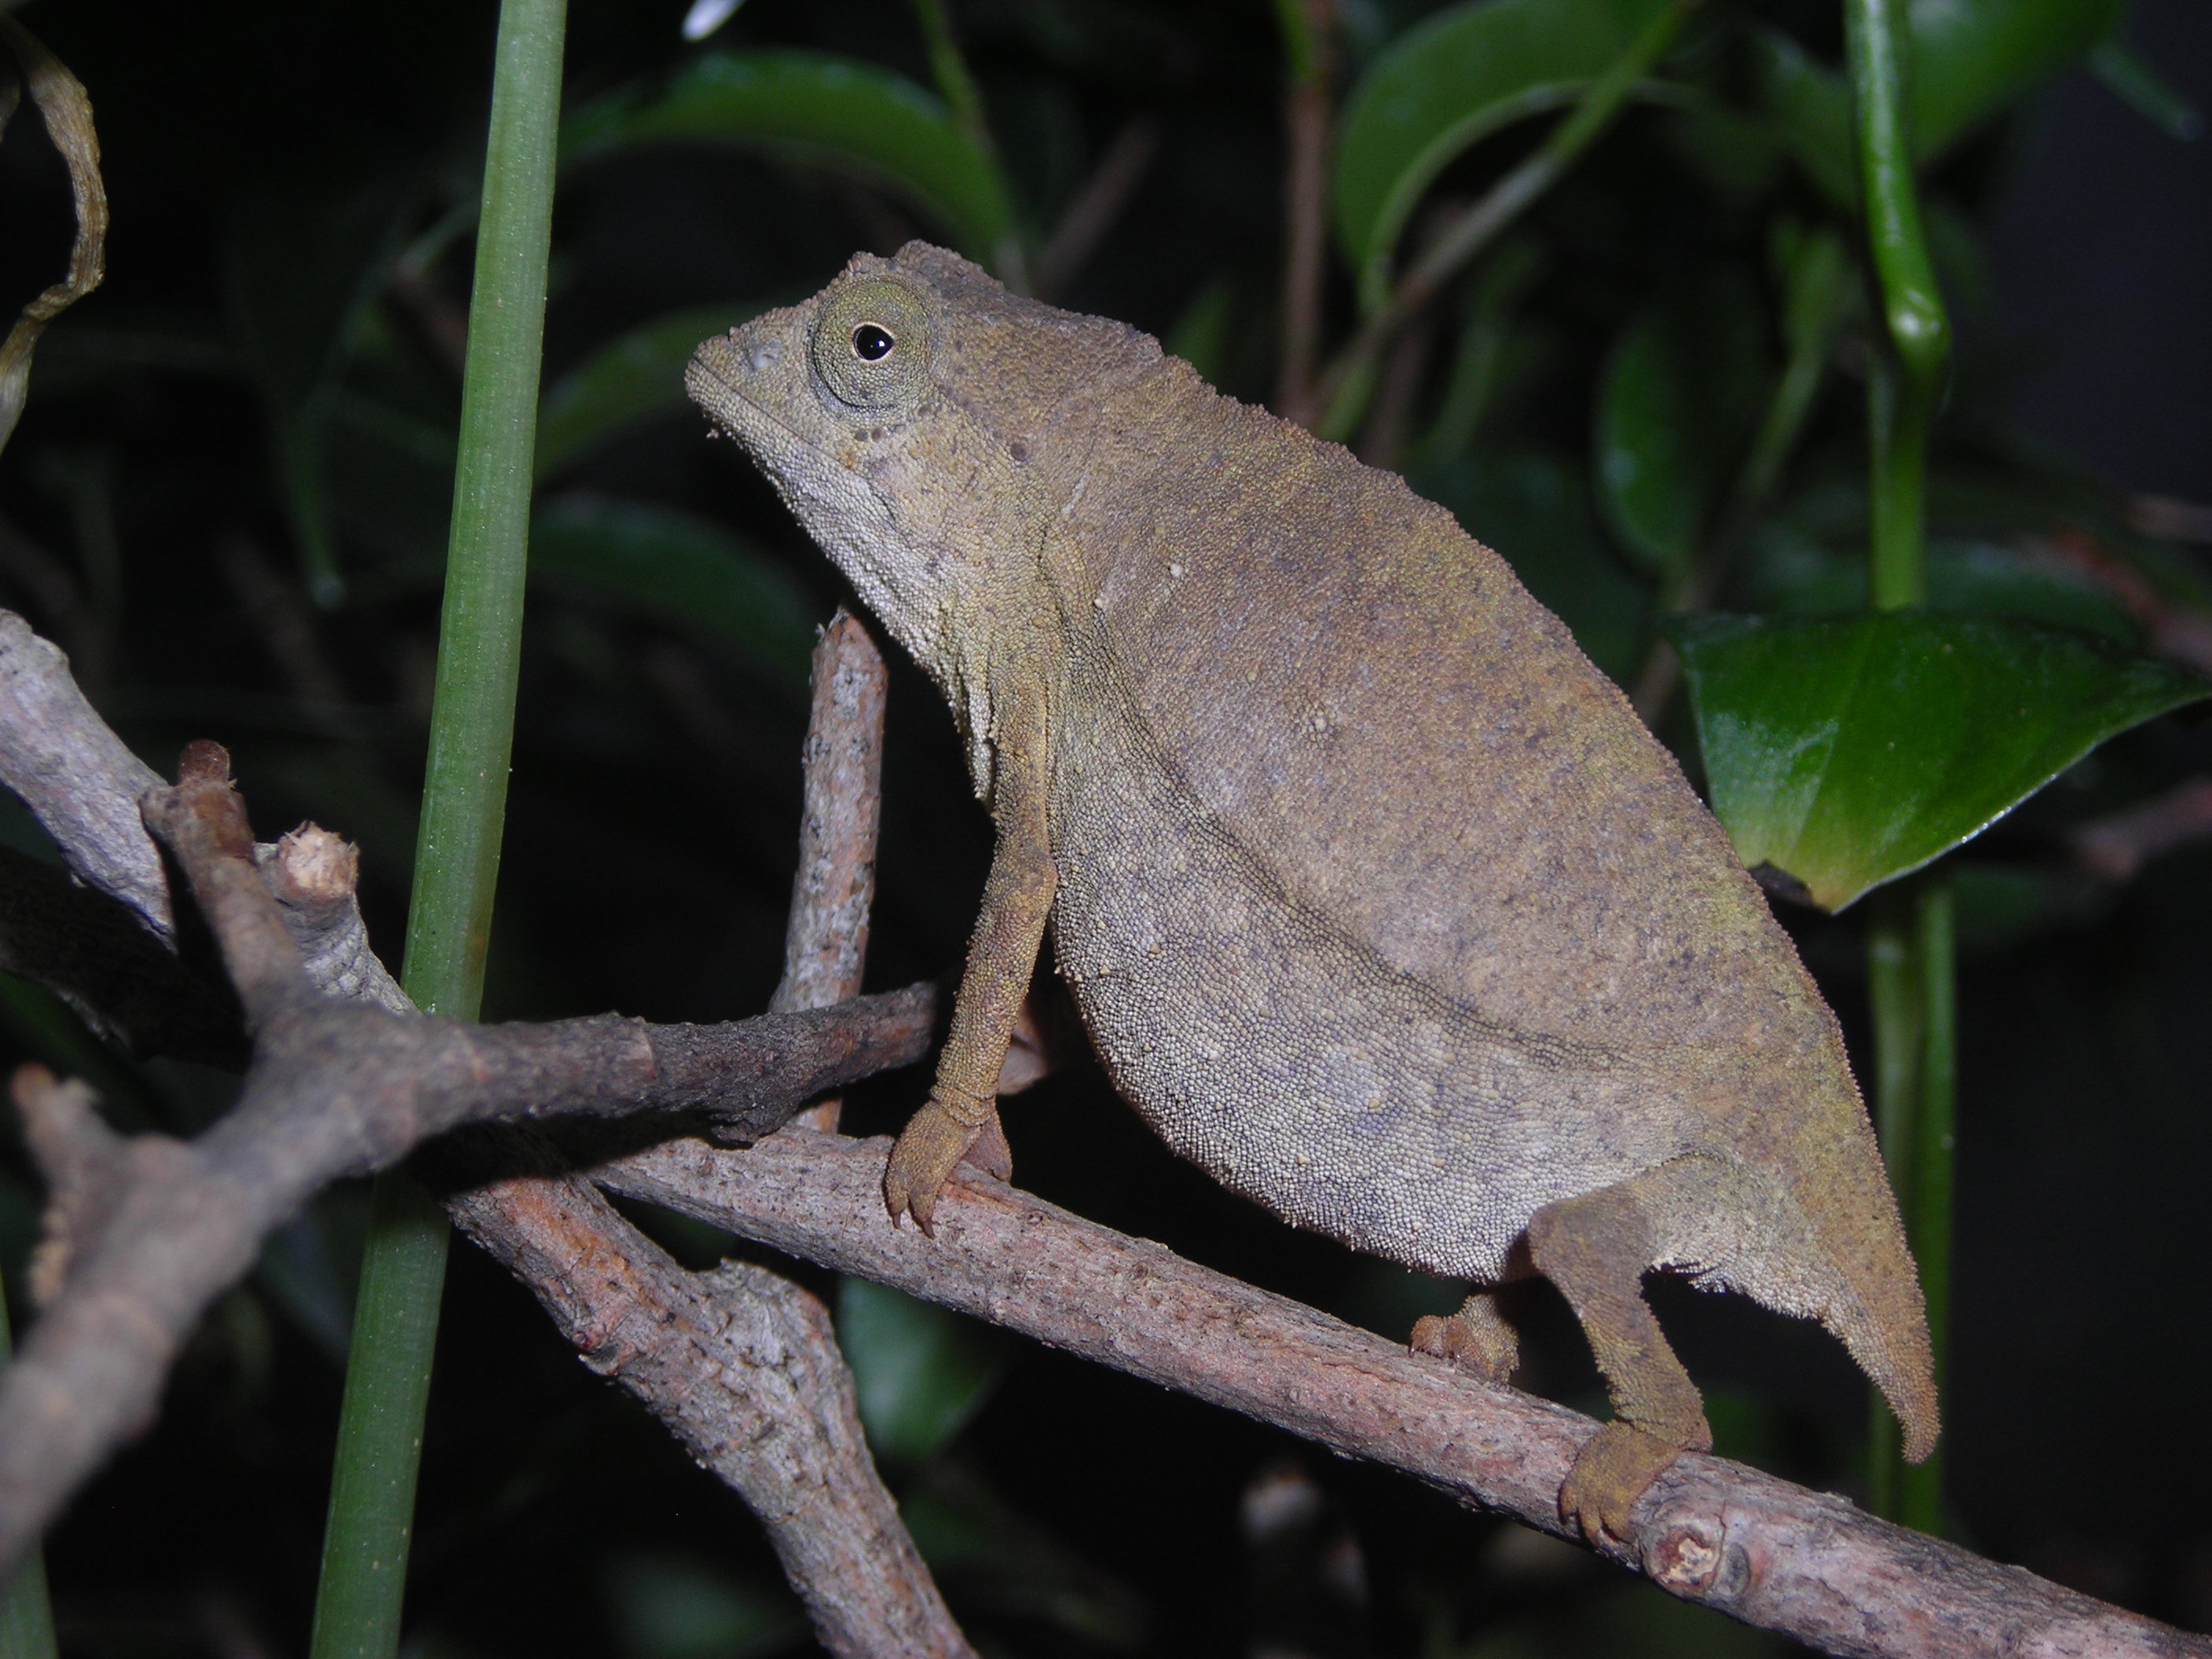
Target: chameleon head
921, 422
833, 399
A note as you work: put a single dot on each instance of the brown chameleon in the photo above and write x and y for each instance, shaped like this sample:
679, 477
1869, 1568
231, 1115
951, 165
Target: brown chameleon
1375, 897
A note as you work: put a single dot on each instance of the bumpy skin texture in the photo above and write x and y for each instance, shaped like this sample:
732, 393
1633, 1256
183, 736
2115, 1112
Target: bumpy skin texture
1377, 900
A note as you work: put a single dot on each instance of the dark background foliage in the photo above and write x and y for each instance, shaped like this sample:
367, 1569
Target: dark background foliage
266, 161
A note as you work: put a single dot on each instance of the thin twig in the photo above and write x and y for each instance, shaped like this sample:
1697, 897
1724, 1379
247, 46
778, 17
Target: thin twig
1097, 206
2180, 631
2118, 845
1308, 28
79, 779
143, 1233
825, 945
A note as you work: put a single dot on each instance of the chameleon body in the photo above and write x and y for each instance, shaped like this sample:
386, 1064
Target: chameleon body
1377, 899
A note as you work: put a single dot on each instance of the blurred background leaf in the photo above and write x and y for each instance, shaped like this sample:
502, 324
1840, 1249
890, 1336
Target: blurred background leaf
816, 107
632, 378
1445, 86
922, 1373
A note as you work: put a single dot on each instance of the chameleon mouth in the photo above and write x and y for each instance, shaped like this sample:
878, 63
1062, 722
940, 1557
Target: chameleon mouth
717, 377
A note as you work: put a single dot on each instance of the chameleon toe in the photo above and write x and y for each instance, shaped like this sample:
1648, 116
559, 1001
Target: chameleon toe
1614, 1467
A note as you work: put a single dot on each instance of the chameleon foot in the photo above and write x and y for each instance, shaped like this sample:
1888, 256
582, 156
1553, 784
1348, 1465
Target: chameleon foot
1611, 1471
932, 1145
1477, 1339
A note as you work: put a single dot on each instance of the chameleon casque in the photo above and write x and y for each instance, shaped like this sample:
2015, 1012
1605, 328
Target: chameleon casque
1375, 897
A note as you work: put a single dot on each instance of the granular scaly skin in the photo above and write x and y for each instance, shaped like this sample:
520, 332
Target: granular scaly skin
1377, 900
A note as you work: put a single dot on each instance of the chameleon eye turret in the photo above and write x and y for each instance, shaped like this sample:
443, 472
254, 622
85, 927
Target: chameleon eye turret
872, 345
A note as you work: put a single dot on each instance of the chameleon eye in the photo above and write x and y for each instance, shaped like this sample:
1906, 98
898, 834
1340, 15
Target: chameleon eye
872, 344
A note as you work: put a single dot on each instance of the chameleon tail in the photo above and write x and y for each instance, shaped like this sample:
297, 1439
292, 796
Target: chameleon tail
1874, 1306
1834, 1249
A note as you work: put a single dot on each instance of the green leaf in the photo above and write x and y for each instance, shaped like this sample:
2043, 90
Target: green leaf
2144, 90
635, 375
666, 1608
303, 269
921, 1372
1970, 58
1443, 86
1846, 751
1672, 417
835, 111
683, 570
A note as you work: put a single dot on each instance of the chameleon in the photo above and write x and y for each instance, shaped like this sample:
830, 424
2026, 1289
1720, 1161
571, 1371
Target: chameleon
1375, 898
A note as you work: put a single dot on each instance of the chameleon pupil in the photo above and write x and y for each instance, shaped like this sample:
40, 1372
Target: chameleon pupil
871, 344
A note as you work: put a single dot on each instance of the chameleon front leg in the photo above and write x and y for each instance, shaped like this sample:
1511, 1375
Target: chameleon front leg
960, 1121
1595, 1248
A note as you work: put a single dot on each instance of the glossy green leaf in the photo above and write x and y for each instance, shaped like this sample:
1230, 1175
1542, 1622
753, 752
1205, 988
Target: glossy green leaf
1970, 58
1441, 87
835, 111
682, 569
636, 375
1845, 752
920, 1372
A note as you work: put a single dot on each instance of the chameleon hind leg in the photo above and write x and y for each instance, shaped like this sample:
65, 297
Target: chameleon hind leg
1479, 1338
1594, 1249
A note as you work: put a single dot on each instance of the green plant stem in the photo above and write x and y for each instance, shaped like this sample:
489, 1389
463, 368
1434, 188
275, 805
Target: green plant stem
1351, 379
1907, 376
1896, 487
359, 1603
26, 1615
1910, 961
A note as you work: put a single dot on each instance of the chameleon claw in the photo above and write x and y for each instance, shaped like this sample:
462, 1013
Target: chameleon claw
934, 1144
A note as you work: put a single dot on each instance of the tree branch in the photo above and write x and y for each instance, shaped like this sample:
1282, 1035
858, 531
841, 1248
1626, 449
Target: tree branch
740, 1365
1759, 1549
1713, 1532
826, 942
